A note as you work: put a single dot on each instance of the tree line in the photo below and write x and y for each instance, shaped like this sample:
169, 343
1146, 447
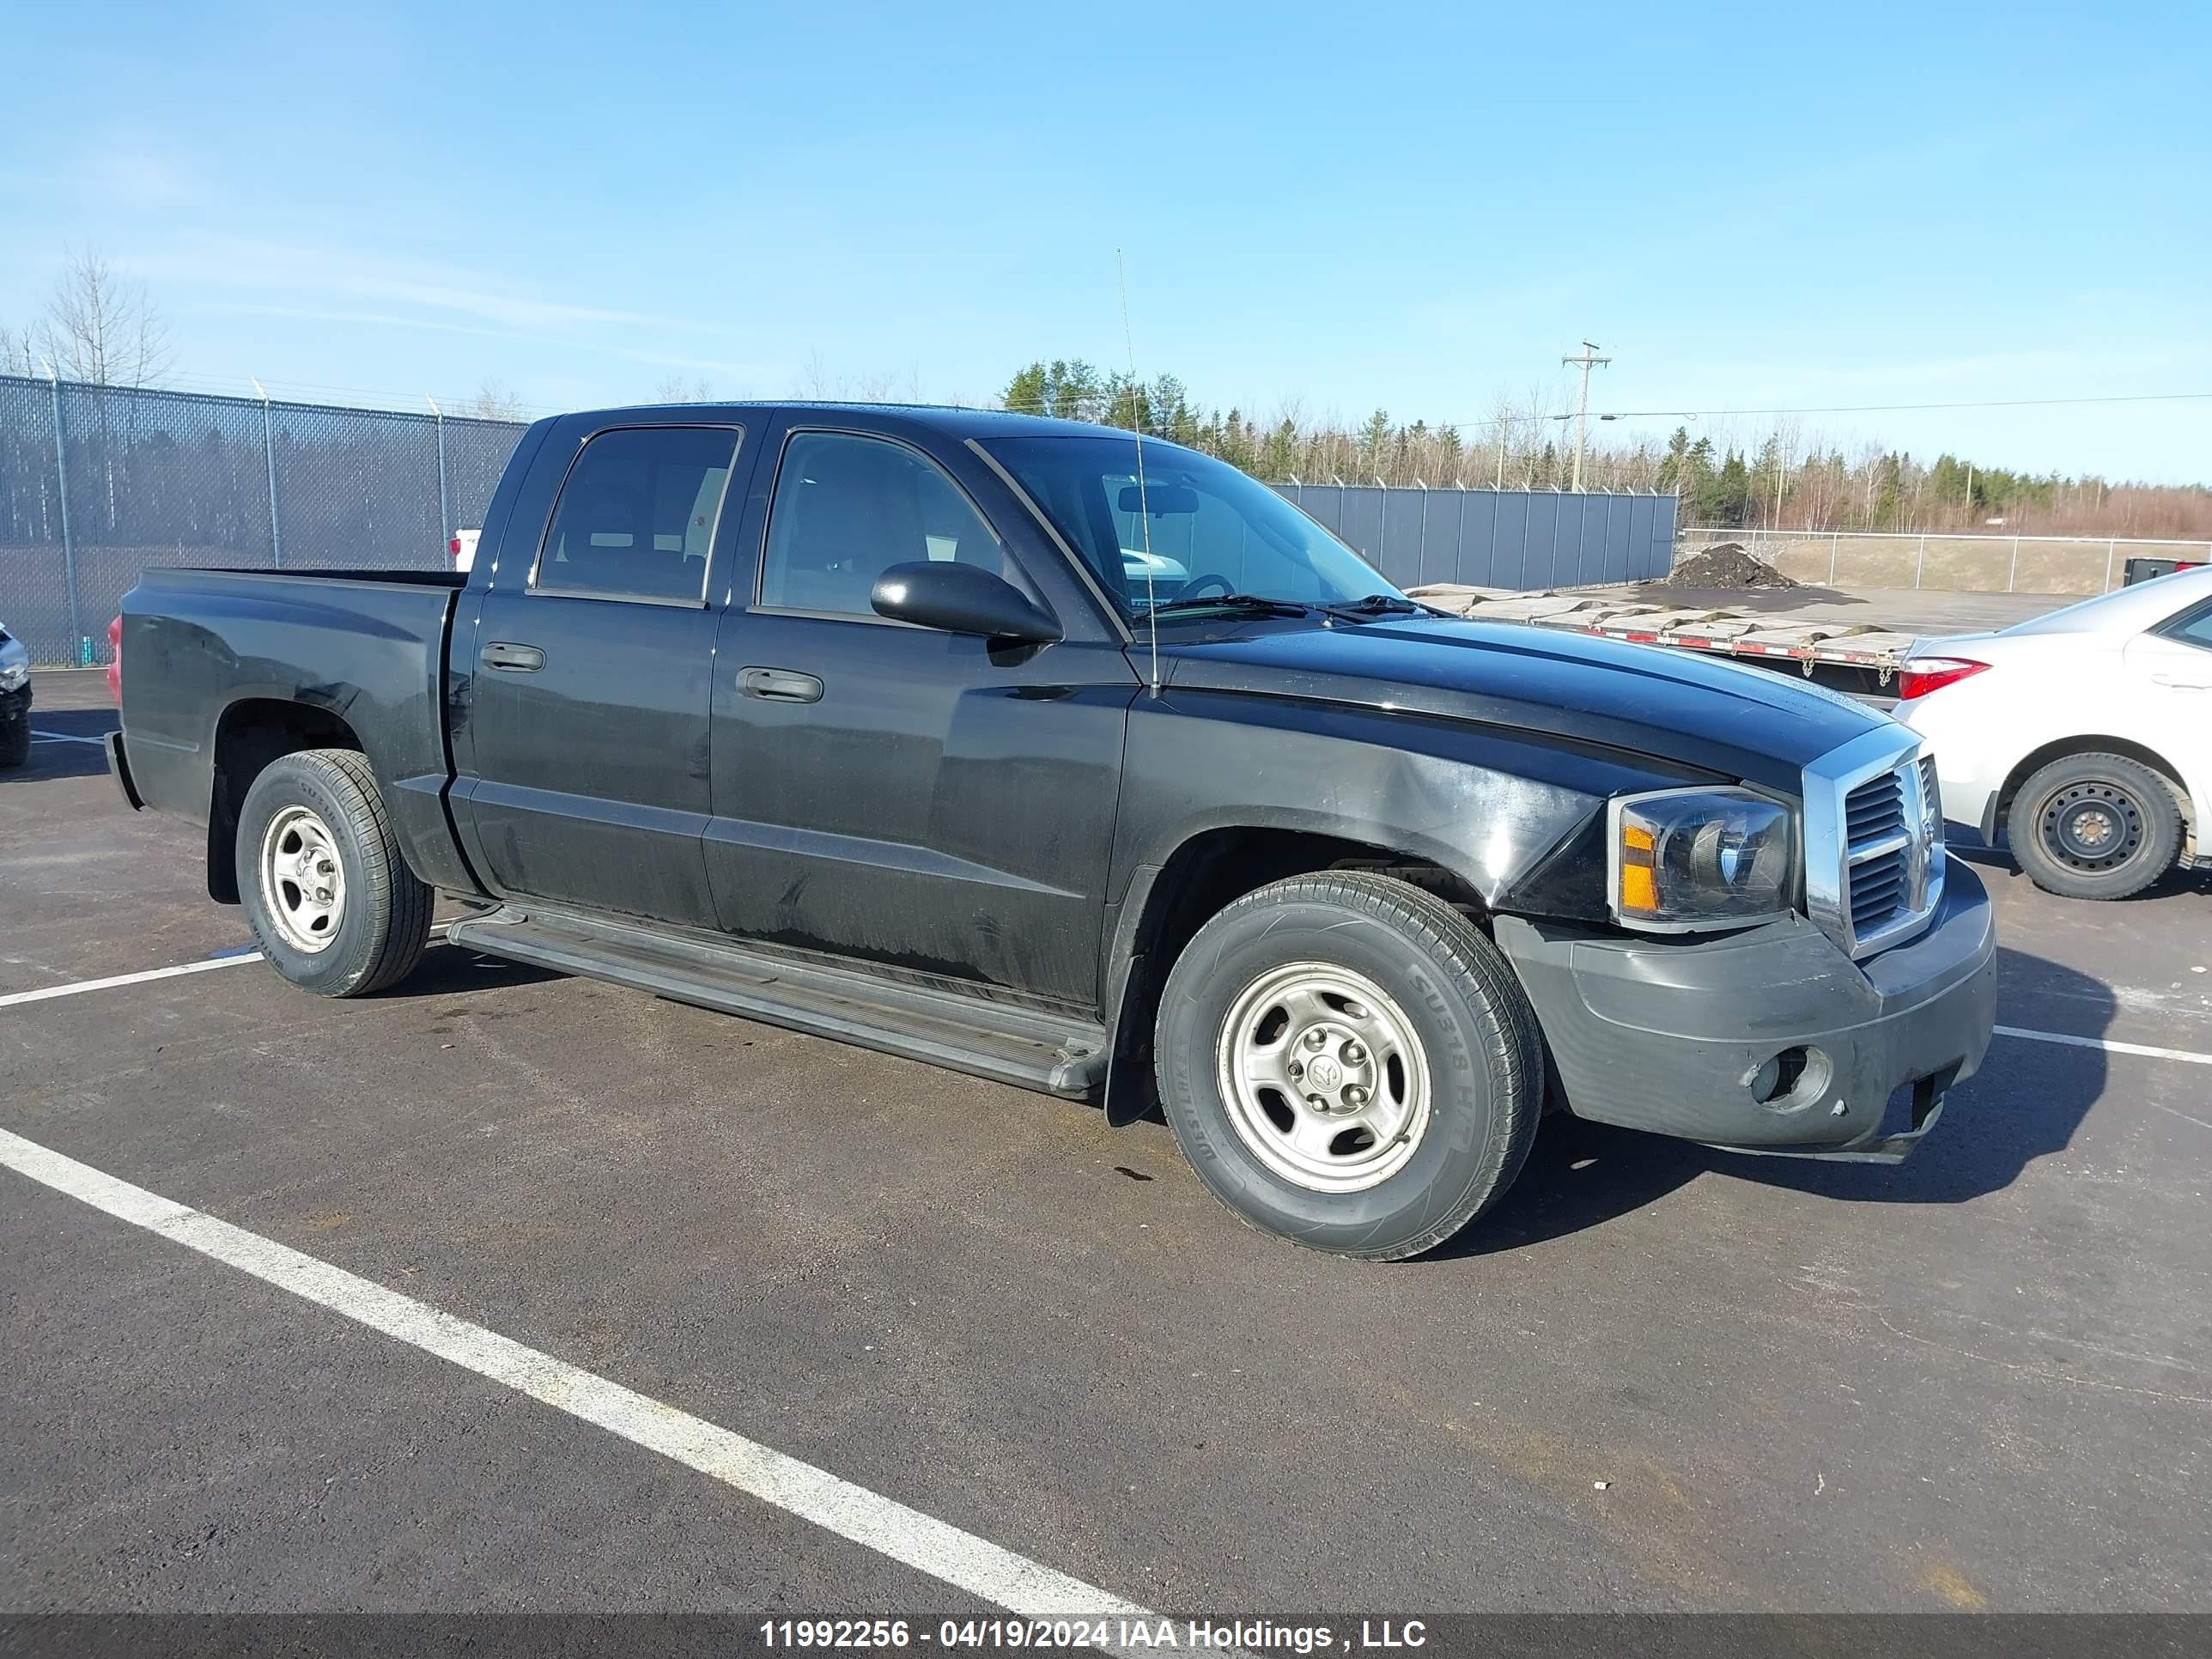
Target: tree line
1787, 479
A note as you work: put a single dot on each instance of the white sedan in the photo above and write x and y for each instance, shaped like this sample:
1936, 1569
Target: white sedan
2083, 738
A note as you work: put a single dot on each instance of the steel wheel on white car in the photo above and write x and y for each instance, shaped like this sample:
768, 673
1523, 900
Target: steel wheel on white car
1346, 1060
333, 903
2094, 827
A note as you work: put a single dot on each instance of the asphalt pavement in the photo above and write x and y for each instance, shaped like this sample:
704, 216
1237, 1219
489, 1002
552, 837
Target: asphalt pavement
1658, 1377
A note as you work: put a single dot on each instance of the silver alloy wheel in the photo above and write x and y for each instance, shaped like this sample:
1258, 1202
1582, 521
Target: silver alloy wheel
1325, 1081
302, 879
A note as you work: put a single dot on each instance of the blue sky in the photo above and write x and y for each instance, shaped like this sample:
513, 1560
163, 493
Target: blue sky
1419, 208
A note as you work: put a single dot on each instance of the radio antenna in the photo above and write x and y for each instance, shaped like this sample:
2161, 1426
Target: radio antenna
1143, 505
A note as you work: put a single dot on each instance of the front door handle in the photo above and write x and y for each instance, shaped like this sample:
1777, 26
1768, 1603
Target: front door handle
779, 685
519, 659
2179, 685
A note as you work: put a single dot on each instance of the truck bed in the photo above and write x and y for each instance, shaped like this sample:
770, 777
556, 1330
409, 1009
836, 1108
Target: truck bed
204, 652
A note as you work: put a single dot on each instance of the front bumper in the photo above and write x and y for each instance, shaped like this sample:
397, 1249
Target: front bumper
1677, 1036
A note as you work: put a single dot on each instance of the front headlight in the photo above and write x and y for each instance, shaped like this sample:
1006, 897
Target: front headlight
1689, 858
14, 669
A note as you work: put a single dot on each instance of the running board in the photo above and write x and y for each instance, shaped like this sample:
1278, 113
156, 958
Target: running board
1026, 1047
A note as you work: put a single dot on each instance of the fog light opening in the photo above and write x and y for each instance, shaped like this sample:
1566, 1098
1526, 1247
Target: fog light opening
1791, 1080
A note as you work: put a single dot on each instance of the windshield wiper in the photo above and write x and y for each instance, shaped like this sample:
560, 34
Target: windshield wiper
1378, 605
1241, 605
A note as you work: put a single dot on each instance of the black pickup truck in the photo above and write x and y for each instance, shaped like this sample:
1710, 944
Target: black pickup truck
1087, 765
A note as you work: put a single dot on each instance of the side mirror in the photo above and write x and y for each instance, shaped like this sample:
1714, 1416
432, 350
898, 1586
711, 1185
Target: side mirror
961, 599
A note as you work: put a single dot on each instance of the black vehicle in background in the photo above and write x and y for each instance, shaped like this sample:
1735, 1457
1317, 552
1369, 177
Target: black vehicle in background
1016, 746
15, 701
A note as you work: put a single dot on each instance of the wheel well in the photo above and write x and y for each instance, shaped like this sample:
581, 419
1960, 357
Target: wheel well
1204, 876
252, 733
2063, 747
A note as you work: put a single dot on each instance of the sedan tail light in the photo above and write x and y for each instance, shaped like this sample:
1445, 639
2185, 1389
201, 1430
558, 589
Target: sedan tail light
115, 660
1920, 675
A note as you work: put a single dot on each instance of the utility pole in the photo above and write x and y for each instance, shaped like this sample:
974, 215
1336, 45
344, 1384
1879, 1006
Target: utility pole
1589, 360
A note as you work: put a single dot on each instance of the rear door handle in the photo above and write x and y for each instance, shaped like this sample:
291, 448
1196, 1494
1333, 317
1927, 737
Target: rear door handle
779, 685
518, 658
2181, 684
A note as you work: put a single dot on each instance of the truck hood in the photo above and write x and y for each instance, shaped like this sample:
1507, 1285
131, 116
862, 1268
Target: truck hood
1733, 721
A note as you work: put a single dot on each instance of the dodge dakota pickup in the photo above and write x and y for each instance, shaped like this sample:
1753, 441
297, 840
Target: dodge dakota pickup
1088, 764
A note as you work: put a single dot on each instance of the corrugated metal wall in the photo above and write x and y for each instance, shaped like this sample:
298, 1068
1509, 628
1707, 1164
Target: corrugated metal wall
1498, 538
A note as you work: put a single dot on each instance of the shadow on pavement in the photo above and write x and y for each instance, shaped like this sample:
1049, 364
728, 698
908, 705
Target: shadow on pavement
451, 970
52, 759
1582, 1175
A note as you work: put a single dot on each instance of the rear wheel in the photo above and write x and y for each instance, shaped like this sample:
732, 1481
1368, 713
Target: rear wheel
2094, 827
1347, 1062
332, 904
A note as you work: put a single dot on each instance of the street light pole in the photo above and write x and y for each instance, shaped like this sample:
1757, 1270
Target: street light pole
1589, 360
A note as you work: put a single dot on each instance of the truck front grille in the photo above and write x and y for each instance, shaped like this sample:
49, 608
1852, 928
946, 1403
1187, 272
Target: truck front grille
1874, 840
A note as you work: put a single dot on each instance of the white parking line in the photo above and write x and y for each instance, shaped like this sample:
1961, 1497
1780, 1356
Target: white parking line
38, 736
78, 987
2106, 1043
921, 1542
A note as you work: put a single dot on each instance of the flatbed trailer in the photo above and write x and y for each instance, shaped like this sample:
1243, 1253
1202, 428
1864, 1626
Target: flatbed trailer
1860, 658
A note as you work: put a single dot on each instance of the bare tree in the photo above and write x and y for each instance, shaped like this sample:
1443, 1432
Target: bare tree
19, 351
880, 387
674, 389
495, 400
101, 327
815, 384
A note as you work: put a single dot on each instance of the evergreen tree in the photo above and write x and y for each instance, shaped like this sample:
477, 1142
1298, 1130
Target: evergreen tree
1025, 393
1374, 444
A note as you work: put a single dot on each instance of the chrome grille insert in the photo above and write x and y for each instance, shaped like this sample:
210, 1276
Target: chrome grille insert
1874, 840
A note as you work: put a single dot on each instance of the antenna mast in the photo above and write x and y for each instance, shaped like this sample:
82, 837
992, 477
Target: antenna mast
1144, 506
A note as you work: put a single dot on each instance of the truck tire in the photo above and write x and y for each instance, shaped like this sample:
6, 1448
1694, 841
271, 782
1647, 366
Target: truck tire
15, 742
332, 904
2094, 827
1348, 1062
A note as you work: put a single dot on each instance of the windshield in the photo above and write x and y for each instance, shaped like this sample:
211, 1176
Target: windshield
1213, 531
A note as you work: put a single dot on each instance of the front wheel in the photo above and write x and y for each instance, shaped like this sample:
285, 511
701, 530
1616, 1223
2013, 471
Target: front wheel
2094, 827
1348, 1062
333, 905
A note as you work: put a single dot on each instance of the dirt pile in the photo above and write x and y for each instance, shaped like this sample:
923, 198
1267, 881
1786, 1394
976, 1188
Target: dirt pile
1725, 564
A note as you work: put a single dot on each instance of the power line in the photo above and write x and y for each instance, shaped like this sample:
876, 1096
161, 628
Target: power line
1889, 409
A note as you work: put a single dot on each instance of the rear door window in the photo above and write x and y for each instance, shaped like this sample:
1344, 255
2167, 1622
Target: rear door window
635, 518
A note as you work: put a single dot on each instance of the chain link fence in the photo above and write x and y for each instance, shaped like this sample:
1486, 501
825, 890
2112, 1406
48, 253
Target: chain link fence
1958, 561
100, 482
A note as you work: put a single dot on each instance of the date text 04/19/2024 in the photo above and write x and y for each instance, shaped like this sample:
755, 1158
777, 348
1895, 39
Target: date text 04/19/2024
1119, 1633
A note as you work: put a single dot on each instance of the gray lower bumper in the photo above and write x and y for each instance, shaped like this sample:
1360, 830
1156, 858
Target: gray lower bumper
1680, 1037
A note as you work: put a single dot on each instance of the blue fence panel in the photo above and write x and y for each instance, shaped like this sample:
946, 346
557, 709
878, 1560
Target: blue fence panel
1361, 524
1405, 529
1437, 559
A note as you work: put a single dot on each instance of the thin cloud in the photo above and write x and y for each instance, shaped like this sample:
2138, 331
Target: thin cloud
431, 325
324, 273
